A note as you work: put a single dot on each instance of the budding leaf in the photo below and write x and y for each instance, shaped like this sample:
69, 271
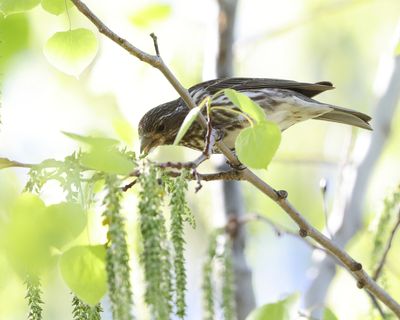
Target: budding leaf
150, 14
84, 271
56, 7
256, 146
246, 104
281, 310
16, 6
187, 122
71, 51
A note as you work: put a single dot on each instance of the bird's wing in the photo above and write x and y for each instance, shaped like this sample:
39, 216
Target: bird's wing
242, 84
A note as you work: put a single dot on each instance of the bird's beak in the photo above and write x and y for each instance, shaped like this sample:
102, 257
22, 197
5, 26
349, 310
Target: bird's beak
145, 145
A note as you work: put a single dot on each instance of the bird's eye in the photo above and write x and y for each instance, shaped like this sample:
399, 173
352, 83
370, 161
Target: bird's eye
160, 127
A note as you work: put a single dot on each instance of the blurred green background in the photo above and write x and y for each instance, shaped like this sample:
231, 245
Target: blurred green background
345, 42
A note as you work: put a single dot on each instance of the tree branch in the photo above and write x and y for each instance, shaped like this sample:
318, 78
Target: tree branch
355, 268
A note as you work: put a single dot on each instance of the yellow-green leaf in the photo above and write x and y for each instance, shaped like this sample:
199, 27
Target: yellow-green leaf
107, 160
56, 6
64, 222
97, 142
124, 130
187, 122
281, 310
15, 6
246, 104
83, 269
71, 51
26, 244
150, 14
329, 315
256, 146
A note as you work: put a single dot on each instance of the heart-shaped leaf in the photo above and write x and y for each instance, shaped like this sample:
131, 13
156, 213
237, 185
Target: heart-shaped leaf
246, 104
84, 271
71, 51
56, 6
15, 6
256, 146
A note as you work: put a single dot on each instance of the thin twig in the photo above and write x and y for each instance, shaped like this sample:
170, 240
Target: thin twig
323, 184
154, 37
306, 229
129, 185
376, 305
379, 269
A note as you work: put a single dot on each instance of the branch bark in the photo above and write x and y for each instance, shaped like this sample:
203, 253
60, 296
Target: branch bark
355, 268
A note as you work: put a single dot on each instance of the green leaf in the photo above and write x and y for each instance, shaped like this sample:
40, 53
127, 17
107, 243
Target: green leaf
14, 37
34, 229
65, 221
256, 146
124, 130
97, 142
26, 244
187, 122
56, 6
329, 315
84, 271
103, 155
71, 51
107, 160
15, 6
246, 104
280, 310
150, 14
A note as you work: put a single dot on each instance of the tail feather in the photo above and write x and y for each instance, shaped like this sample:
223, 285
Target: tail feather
347, 116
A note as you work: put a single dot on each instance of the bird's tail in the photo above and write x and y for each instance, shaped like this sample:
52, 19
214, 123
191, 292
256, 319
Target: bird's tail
347, 116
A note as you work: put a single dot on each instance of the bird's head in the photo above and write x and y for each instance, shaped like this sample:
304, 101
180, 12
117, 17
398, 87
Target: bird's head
160, 125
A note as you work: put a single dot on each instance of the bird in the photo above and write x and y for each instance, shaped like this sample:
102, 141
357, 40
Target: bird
285, 102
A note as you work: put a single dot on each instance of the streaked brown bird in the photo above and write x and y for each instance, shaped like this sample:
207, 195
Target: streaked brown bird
285, 102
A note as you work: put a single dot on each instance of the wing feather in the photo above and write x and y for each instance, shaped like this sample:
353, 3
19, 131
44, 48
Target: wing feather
242, 84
